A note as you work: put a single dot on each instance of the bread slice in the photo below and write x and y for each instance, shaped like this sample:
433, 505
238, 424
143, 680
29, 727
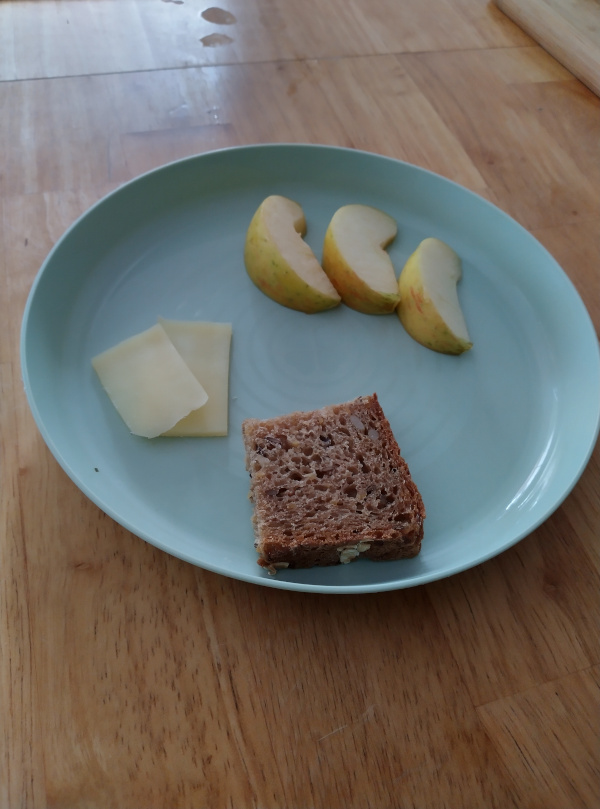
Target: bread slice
329, 485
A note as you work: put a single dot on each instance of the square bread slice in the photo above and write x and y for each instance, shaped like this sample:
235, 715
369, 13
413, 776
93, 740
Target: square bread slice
329, 485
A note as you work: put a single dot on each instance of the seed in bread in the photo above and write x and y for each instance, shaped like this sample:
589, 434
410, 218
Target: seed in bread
329, 485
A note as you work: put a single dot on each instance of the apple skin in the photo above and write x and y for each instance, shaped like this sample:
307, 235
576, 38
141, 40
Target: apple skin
281, 264
354, 244
419, 314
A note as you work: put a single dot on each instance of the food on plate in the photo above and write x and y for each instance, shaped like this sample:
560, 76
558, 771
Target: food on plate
205, 348
429, 308
330, 485
172, 379
281, 263
355, 259
148, 382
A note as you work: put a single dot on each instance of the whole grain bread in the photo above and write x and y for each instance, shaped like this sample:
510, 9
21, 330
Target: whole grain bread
329, 485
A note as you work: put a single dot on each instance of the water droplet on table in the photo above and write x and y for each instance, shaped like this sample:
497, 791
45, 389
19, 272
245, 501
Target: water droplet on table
218, 15
214, 40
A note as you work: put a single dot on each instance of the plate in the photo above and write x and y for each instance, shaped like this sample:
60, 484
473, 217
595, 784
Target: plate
495, 439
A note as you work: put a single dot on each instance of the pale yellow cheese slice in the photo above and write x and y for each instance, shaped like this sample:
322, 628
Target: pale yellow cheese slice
205, 349
149, 383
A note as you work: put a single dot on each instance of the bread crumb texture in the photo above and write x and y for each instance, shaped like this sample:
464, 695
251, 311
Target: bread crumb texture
330, 485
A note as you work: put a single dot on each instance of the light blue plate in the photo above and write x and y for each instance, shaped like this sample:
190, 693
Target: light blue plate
495, 438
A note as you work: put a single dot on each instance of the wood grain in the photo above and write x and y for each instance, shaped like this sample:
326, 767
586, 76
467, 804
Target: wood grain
129, 678
547, 724
67, 38
568, 29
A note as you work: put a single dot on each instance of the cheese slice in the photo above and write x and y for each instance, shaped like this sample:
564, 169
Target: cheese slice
149, 383
205, 349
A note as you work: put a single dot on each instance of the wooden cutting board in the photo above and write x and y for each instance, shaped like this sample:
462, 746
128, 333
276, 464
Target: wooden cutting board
567, 29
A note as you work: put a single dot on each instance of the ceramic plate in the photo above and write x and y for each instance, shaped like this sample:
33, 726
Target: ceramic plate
495, 438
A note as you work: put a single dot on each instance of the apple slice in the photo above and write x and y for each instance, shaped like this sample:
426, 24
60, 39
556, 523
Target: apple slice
355, 259
281, 263
429, 308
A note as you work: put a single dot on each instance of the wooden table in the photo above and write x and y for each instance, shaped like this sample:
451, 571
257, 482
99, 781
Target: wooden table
132, 679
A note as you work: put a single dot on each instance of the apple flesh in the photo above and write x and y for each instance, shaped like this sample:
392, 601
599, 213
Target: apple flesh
429, 308
281, 263
355, 259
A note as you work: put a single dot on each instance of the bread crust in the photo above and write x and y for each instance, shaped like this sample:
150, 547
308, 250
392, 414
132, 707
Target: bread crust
330, 485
